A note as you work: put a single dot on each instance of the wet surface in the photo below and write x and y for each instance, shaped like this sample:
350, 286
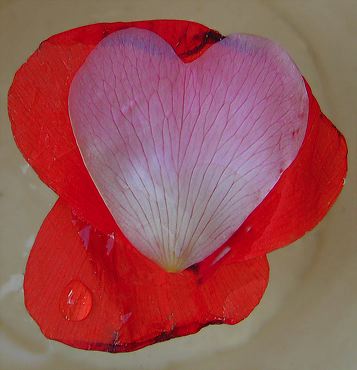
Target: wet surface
306, 318
76, 301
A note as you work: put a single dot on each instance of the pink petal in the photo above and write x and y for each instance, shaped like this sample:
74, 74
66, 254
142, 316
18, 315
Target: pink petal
183, 153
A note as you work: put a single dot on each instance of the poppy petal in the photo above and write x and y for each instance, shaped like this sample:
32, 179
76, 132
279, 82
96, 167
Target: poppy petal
95, 291
41, 127
183, 153
301, 198
39, 113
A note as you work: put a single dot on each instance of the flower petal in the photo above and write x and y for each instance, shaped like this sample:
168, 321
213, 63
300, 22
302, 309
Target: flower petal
183, 153
86, 292
301, 198
39, 113
41, 127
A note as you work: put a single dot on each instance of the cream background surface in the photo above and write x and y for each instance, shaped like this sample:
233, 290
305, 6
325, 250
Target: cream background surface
307, 318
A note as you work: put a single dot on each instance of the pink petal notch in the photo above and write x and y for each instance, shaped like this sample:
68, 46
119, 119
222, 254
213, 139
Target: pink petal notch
182, 153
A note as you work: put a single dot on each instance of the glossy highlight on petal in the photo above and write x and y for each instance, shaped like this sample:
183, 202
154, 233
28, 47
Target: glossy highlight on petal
76, 301
122, 301
183, 153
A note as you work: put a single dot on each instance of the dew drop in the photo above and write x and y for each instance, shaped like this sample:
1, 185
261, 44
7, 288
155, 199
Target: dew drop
75, 301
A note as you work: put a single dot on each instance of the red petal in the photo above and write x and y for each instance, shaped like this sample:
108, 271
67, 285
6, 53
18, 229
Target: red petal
39, 113
43, 132
114, 299
120, 301
301, 198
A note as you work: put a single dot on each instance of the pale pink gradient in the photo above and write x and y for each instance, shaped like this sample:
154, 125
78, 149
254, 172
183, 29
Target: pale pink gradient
183, 153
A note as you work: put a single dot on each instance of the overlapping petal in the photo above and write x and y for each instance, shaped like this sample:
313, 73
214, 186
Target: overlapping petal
85, 284
301, 198
91, 291
38, 106
183, 153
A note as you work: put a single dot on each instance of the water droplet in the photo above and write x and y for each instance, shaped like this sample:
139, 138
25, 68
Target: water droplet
75, 301
248, 229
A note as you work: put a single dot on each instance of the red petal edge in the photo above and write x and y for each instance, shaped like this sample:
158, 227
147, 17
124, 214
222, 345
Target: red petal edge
42, 130
38, 106
113, 299
304, 194
117, 292
301, 198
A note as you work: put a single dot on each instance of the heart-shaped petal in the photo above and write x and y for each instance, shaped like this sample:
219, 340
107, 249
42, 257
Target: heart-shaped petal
183, 153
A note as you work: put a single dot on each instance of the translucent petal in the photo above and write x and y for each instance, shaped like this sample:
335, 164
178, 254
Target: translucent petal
121, 301
183, 153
